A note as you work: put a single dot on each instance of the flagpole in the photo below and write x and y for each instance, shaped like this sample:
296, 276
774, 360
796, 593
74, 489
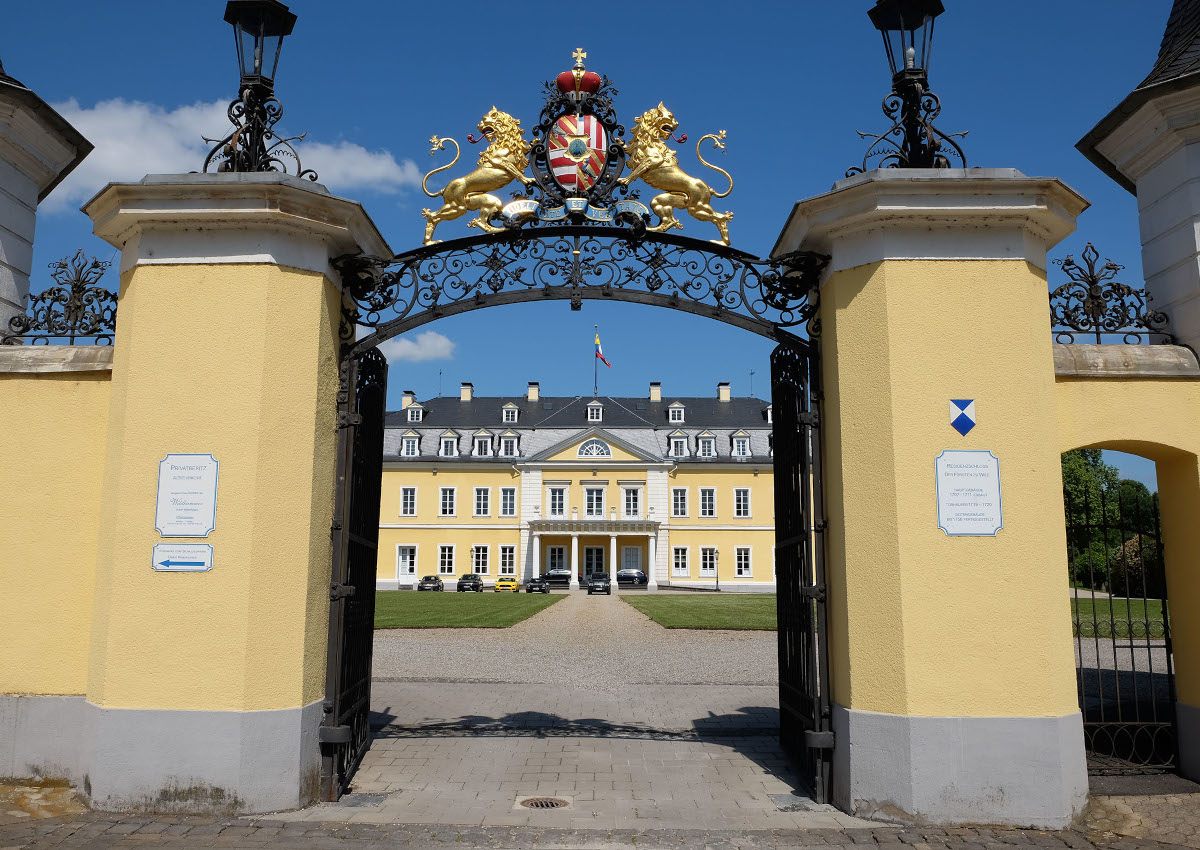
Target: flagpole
595, 367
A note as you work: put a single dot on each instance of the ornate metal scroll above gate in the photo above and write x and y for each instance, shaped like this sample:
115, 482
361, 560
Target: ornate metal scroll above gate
1093, 304
77, 309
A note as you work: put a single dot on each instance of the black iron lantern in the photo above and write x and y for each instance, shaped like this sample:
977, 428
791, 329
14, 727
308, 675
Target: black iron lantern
259, 27
907, 29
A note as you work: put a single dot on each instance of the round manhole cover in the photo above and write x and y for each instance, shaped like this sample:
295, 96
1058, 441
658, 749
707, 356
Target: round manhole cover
544, 803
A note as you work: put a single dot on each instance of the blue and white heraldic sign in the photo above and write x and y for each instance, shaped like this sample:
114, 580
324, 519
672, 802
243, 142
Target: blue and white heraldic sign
187, 495
968, 493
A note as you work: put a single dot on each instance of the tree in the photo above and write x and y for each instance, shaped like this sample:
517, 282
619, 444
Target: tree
1090, 488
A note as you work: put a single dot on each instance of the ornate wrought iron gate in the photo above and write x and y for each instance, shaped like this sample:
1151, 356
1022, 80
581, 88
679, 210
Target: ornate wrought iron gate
804, 703
1124, 673
345, 731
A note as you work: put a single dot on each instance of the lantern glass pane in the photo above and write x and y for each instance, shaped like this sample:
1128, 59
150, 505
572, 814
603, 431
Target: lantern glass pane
270, 53
247, 51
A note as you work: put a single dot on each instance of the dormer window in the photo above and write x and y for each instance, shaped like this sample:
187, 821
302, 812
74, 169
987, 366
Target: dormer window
675, 412
595, 448
449, 447
483, 447
508, 446
595, 412
415, 414
679, 447
769, 413
706, 447
411, 447
509, 415
741, 446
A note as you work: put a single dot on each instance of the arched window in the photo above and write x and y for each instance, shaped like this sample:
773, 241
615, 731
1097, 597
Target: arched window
595, 448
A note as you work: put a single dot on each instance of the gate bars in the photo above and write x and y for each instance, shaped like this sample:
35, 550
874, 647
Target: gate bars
804, 699
1124, 672
345, 732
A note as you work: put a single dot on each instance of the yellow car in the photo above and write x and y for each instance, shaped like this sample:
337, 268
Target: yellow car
507, 583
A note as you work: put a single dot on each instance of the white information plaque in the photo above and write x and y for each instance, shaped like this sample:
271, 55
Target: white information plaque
182, 557
968, 493
187, 495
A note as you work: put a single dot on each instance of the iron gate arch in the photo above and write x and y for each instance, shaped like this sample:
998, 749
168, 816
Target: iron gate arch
388, 296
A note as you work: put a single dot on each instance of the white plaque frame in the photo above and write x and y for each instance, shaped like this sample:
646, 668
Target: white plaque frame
997, 522
162, 523
186, 555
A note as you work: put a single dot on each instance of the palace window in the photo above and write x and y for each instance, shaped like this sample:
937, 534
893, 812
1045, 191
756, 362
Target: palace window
741, 447
743, 561
679, 447
679, 562
414, 414
447, 501
508, 560
510, 414
595, 413
675, 414
708, 501
741, 502
483, 499
406, 561
479, 560
449, 447
558, 501
483, 447
508, 501
556, 557
708, 561
446, 560
679, 501
633, 502
594, 501
411, 445
706, 447
408, 501
508, 446
595, 448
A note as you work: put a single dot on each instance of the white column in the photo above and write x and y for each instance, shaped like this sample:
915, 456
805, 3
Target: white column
652, 567
612, 558
536, 543
575, 561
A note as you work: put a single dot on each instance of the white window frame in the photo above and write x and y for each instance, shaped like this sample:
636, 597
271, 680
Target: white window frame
679, 446
711, 492
748, 571
441, 564
509, 416
588, 503
508, 560
738, 444
452, 442
625, 550
487, 447
737, 507
505, 443
415, 414
550, 512
678, 570
413, 563
508, 509
596, 442
636, 492
453, 491
486, 492
706, 447
486, 551
595, 413
674, 414
413, 512
675, 511
595, 554
707, 553
561, 553
410, 442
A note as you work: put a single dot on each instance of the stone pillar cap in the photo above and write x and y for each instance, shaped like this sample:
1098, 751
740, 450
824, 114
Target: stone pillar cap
951, 213
231, 218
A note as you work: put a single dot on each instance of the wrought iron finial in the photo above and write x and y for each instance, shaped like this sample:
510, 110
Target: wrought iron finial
1094, 304
77, 308
912, 141
253, 144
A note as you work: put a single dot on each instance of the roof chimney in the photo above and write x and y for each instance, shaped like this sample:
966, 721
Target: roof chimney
655, 391
533, 392
723, 391
409, 398
466, 391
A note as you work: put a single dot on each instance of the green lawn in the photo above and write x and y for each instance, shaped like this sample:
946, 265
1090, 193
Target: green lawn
407, 609
1096, 618
707, 610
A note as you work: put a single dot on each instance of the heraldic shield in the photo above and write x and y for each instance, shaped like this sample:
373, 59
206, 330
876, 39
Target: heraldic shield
578, 149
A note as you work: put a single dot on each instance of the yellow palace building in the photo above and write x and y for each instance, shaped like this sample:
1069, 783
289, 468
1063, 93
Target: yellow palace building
678, 487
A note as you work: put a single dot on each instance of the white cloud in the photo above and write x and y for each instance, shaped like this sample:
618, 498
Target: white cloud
134, 138
427, 345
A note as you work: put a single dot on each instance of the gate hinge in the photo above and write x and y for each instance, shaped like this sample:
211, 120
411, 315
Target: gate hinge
818, 740
339, 734
808, 418
340, 591
346, 419
817, 593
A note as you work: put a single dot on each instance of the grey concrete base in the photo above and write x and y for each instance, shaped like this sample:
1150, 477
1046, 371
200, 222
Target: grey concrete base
1187, 722
1013, 771
165, 761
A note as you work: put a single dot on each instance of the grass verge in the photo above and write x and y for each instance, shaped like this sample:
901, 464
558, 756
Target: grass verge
407, 609
1102, 617
708, 610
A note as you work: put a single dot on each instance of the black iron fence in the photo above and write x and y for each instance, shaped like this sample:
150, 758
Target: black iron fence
1093, 307
73, 311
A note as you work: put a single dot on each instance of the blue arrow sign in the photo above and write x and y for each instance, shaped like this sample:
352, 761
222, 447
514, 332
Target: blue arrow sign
169, 564
182, 557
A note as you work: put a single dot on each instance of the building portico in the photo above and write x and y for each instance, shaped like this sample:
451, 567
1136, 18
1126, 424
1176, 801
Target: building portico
610, 545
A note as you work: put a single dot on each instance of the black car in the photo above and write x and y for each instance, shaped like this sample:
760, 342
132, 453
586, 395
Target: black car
430, 583
634, 578
538, 584
558, 578
470, 581
599, 583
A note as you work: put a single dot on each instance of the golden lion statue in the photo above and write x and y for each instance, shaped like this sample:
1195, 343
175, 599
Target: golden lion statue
650, 159
503, 161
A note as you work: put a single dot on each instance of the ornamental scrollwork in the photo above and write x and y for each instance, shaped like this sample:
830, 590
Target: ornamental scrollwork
77, 308
1093, 303
253, 145
913, 140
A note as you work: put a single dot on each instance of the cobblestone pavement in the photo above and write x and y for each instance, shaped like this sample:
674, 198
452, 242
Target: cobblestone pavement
1165, 818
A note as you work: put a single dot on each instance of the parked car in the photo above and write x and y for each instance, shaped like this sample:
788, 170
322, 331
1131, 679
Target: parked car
631, 577
558, 578
470, 581
507, 583
599, 583
538, 584
430, 583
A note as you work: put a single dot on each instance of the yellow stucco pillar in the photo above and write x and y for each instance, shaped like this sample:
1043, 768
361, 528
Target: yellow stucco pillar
205, 688
951, 656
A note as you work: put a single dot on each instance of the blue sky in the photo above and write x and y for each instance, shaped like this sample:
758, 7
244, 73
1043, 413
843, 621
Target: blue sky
791, 82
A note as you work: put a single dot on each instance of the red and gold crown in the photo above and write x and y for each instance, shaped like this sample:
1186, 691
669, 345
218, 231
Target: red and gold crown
578, 80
